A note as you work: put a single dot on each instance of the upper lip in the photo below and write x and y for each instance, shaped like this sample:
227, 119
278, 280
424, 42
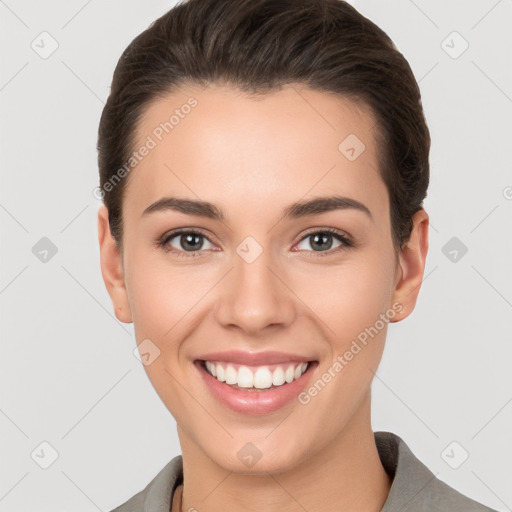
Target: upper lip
254, 358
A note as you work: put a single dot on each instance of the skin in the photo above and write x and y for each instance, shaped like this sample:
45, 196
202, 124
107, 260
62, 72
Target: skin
252, 157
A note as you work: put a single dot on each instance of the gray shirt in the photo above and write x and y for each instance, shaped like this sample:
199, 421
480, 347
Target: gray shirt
414, 487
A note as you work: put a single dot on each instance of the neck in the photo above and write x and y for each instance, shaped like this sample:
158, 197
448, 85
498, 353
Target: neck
344, 476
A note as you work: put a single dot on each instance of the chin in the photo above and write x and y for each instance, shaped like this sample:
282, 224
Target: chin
259, 458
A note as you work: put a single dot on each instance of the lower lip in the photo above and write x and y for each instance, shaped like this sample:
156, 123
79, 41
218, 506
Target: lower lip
255, 401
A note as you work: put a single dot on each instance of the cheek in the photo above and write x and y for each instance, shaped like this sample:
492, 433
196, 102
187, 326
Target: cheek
353, 306
348, 297
160, 298
160, 294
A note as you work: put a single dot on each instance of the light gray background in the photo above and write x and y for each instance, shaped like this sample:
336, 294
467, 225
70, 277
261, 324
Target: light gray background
68, 375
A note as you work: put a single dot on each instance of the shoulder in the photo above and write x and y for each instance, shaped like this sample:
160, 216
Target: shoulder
415, 487
157, 495
442, 497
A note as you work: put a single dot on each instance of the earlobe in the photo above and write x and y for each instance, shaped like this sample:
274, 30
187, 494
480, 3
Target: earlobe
411, 266
112, 268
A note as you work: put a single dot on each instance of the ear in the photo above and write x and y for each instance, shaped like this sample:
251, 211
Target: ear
112, 268
411, 265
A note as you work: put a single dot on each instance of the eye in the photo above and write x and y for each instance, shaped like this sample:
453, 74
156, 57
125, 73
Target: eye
190, 243
185, 241
323, 241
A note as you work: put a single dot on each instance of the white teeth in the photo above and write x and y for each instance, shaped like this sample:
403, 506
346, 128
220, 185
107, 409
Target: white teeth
289, 374
220, 373
300, 370
260, 378
245, 377
211, 367
231, 375
278, 376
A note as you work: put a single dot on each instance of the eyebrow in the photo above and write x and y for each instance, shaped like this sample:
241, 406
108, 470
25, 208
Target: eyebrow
315, 206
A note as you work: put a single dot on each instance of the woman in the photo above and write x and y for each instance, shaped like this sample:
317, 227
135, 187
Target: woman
263, 166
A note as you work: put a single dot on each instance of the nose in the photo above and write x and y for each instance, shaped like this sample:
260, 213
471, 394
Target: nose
254, 297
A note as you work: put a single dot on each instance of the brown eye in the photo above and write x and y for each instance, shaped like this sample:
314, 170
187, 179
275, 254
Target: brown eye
186, 242
324, 241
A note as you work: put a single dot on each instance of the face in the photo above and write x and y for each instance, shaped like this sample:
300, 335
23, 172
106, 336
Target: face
265, 291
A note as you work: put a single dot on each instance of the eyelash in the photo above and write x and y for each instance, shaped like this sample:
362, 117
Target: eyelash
164, 240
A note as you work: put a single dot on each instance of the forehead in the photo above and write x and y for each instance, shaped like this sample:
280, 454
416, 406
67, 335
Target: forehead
220, 144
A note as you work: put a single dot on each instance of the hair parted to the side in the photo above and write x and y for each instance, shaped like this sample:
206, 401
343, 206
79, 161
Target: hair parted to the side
258, 46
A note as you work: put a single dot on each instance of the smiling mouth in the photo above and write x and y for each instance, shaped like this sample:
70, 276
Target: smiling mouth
256, 378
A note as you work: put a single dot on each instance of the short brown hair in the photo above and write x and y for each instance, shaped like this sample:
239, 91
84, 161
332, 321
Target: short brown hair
261, 45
